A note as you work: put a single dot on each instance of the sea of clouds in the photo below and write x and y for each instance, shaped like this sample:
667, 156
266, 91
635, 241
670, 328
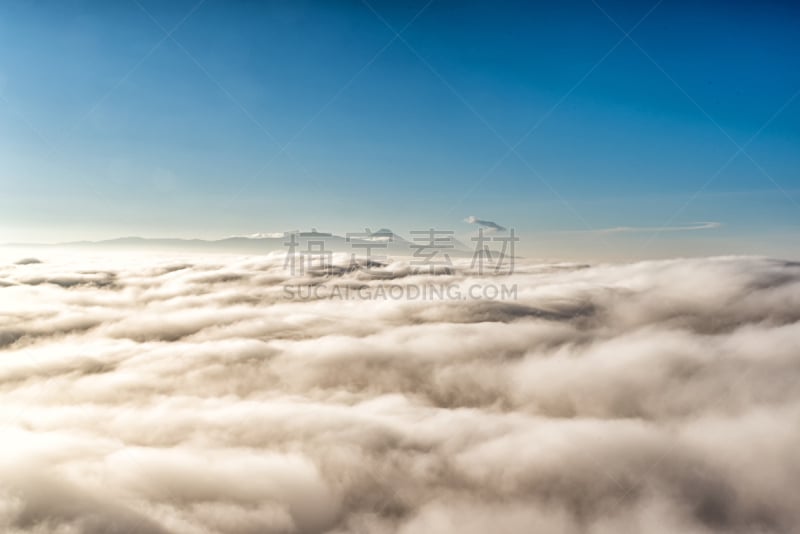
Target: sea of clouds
195, 395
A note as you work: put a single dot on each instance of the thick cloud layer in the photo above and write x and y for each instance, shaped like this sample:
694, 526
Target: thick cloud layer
195, 396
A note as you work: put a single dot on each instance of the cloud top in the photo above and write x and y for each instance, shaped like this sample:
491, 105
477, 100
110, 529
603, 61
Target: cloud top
189, 395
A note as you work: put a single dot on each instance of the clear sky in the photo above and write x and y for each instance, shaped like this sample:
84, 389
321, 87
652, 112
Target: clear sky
206, 119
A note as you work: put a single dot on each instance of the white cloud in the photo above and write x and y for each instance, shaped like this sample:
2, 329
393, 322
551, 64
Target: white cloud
188, 395
263, 235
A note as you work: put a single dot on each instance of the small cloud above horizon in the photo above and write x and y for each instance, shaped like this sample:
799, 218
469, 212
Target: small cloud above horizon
484, 223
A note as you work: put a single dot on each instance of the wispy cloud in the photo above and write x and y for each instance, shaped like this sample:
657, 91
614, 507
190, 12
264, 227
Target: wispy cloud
709, 225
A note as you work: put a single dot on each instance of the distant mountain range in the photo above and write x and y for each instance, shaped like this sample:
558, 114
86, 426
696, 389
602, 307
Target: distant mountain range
382, 242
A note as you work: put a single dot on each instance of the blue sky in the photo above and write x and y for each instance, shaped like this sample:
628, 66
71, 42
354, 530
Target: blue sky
542, 117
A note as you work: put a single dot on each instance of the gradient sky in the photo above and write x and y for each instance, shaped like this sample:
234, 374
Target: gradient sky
268, 116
